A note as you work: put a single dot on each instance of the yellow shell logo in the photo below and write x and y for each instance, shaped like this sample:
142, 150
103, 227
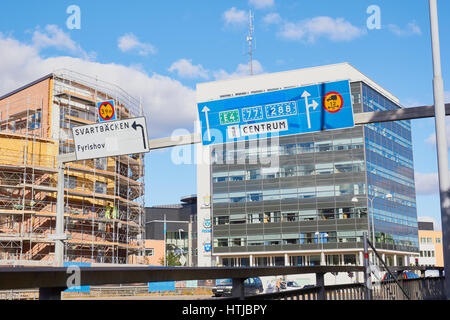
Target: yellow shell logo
333, 102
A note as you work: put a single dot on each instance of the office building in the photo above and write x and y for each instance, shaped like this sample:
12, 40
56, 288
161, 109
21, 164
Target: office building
430, 244
181, 227
104, 201
312, 205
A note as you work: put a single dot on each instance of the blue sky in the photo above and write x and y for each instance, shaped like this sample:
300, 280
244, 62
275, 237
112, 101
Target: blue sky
159, 50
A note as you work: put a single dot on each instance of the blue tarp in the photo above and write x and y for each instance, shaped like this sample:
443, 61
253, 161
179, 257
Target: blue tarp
161, 286
81, 288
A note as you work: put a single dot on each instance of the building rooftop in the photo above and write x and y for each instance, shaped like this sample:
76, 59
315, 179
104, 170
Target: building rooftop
222, 89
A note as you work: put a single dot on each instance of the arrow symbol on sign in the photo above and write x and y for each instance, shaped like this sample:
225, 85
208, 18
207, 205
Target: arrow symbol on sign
313, 105
134, 126
206, 110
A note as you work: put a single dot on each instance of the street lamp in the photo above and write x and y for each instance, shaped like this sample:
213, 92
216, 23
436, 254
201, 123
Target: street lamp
388, 196
322, 254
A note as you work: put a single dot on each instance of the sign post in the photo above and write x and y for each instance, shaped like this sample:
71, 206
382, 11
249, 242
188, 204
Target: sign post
99, 140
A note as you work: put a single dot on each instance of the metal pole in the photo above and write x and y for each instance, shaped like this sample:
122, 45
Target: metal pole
165, 249
367, 279
373, 223
190, 242
441, 141
59, 231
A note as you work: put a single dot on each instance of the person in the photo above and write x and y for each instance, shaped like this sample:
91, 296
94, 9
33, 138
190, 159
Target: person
278, 285
108, 211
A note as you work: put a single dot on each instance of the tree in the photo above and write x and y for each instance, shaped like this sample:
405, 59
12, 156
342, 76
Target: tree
172, 260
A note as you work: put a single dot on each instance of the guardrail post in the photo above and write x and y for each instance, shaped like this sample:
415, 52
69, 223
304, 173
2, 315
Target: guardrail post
50, 293
238, 290
320, 282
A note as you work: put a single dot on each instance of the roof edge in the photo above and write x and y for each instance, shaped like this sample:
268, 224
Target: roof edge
50, 75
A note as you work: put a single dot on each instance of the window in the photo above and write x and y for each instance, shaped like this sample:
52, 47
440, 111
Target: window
324, 168
270, 173
290, 216
237, 175
307, 215
224, 220
255, 218
288, 193
306, 147
438, 240
100, 187
271, 195
306, 192
262, 261
326, 214
237, 242
254, 197
288, 149
271, 217
149, 252
100, 163
255, 240
324, 146
272, 239
221, 242
237, 197
306, 170
220, 177
70, 182
342, 144
290, 171
253, 174
237, 219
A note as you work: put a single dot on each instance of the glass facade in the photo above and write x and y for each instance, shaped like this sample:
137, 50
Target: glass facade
390, 171
296, 193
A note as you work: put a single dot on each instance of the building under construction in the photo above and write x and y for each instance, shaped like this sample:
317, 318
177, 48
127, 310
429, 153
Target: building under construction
103, 198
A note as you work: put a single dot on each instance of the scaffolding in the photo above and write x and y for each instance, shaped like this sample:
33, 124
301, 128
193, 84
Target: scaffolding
104, 198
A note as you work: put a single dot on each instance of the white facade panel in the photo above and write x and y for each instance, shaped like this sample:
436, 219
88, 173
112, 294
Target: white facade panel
280, 80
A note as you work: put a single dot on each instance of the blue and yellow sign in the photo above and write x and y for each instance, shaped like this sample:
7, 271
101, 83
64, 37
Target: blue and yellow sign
307, 109
106, 111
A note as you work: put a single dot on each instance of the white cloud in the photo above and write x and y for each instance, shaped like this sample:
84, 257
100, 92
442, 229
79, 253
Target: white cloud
272, 18
129, 42
311, 29
168, 104
411, 29
432, 137
52, 36
234, 16
261, 4
426, 183
242, 70
186, 69
447, 96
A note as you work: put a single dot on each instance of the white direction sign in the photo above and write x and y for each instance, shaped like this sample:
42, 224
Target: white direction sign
113, 138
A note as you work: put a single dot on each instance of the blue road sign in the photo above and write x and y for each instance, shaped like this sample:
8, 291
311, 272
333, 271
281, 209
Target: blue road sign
312, 108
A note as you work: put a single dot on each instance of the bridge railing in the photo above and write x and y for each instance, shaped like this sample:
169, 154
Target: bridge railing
52, 281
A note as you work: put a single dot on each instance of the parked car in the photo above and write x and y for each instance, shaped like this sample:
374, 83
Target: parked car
292, 285
224, 287
308, 286
403, 275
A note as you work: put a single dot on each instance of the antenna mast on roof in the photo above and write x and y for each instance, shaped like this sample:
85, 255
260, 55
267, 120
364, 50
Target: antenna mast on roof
250, 40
